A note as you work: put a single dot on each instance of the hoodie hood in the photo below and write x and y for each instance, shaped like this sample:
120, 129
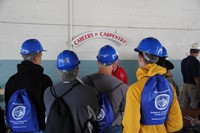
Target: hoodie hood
28, 66
150, 70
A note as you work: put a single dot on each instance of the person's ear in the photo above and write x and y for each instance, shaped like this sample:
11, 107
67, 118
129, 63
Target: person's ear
140, 58
36, 59
114, 64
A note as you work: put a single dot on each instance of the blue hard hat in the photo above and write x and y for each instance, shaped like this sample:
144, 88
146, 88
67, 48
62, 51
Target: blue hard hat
164, 52
67, 60
107, 55
31, 46
151, 46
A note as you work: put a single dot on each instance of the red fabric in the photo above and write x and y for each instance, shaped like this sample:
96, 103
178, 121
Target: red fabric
120, 73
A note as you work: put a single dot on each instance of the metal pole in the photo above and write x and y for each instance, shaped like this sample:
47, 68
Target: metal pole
70, 20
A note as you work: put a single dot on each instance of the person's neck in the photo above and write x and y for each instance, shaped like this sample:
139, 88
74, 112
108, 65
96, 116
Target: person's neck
105, 71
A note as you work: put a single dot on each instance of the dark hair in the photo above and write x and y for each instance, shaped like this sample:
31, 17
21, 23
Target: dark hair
169, 65
161, 61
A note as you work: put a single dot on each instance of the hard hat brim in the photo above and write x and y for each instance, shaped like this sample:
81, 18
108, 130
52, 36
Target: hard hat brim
136, 50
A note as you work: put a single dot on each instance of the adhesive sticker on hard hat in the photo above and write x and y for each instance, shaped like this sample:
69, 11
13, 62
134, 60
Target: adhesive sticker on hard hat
18, 112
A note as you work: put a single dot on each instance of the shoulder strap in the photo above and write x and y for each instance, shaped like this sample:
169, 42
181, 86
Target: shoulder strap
117, 86
92, 83
96, 87
53, 92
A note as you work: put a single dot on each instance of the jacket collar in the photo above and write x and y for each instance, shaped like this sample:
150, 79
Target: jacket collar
27, 66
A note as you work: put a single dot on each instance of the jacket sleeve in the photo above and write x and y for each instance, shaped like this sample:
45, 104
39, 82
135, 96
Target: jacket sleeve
9, 90
7, 93
125, 78
132, 113
175, 120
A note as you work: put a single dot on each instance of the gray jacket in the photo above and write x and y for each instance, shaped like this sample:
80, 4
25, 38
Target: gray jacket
82, 101
104, 83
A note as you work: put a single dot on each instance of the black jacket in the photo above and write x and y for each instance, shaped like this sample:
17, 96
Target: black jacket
2, 122
31, 77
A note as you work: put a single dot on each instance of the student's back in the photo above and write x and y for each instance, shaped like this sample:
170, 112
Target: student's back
105, 83
81, 99
30, 76
152, 105
114, 89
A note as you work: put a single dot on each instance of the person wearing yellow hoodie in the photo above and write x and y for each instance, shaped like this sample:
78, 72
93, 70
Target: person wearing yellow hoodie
151, 103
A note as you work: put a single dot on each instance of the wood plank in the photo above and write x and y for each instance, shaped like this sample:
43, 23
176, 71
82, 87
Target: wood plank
189, 114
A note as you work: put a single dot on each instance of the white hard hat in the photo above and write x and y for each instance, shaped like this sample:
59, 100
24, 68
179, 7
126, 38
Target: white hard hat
195, 46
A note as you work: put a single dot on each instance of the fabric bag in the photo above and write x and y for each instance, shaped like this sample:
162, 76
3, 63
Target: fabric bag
21, 114
60, 118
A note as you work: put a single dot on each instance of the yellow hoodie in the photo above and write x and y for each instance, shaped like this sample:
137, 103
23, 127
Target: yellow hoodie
132, 116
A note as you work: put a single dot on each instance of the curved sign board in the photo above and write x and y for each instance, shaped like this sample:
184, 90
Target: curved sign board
77, 41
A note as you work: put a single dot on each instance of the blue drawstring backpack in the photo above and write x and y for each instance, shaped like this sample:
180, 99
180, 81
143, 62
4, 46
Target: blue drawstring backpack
106, 115
21, 113
156, 100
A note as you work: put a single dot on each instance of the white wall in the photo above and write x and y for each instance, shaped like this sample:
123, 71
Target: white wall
176, 23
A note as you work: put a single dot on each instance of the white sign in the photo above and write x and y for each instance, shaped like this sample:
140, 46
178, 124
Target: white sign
98, 34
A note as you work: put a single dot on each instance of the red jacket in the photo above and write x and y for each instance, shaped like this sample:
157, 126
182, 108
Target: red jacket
120, 73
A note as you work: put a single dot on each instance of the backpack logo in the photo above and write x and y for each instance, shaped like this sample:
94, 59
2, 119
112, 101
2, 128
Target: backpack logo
21, 113
101, 115
18, 112
162, 101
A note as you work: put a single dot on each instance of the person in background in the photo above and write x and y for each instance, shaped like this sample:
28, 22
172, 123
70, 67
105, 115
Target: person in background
30, 75
103, 81
169, 75
190, 90
169, 66
151, 103
119, 72
82, 99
